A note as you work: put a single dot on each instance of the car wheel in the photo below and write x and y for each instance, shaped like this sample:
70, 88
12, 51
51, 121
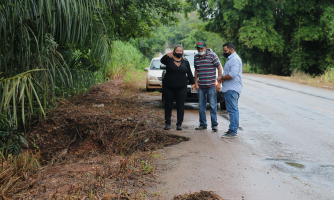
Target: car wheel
147, 90
223, 106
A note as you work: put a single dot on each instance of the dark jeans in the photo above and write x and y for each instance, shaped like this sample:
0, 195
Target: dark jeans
179, 94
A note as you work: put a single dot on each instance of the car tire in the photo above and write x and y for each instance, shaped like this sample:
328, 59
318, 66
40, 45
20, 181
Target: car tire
223, 106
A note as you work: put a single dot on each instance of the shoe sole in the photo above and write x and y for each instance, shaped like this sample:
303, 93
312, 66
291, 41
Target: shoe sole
179, 129
200, 129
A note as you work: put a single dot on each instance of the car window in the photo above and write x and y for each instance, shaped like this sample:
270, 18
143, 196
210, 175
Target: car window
190, 58
155, 65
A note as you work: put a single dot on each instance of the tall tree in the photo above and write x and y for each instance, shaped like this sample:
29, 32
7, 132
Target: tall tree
275, 36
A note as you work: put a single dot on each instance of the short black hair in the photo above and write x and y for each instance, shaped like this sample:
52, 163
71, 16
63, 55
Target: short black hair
229, 45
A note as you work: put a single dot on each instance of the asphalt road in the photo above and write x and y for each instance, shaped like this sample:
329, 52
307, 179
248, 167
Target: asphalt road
284, 148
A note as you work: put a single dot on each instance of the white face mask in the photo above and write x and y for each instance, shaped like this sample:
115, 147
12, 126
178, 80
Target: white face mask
201, 53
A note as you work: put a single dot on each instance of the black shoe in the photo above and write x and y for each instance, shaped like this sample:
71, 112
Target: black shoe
178, 127
215, 128
167, 127
200, 127
229, 134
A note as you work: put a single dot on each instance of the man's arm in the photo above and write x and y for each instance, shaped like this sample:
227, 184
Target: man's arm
218, 86
195, 86
232, 73
226, 77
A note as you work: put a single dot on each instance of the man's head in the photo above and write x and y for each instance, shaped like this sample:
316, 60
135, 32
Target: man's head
228, 49
201, 48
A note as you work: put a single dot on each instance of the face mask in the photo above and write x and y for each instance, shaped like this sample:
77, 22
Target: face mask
226, 55
201, 53
178, 55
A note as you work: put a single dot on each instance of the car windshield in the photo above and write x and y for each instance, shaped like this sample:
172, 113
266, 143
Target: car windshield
155, 65
190, 58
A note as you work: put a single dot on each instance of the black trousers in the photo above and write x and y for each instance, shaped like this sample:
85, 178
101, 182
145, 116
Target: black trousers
179, 94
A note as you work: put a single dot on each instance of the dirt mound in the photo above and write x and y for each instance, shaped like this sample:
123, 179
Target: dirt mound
101, 121
203, 195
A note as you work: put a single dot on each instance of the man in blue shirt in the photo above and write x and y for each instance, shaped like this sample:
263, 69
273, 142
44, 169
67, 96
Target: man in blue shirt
232, 85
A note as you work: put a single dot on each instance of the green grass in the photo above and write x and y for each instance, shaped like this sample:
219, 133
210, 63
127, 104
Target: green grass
124, 58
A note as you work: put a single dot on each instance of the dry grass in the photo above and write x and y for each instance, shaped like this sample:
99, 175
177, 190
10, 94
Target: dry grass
15, 168
325, 80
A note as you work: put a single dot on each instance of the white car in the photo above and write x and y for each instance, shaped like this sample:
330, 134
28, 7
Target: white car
154, 73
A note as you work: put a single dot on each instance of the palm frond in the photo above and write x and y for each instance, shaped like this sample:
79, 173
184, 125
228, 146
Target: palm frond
33, 34
13, 91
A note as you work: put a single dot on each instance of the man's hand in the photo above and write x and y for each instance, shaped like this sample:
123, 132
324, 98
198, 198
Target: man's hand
193, 87
218, 86
170, 54
196, 86
220, 80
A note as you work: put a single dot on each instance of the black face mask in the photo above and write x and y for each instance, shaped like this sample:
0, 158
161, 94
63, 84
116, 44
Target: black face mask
178, 55
226, 55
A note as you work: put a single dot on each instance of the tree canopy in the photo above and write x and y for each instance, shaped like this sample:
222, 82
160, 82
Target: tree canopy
274, 36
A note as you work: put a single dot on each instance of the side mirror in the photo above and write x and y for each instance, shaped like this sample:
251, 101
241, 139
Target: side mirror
162, 66
146, 69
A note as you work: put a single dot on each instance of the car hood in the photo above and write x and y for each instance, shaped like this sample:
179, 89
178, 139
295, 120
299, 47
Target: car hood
155, 73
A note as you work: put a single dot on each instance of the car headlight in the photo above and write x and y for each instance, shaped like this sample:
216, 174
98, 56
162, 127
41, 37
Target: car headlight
152, 78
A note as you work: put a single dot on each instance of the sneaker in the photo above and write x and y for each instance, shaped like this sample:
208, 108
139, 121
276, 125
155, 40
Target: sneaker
200, 127
215, 128
167, 127
178, 127
229, 135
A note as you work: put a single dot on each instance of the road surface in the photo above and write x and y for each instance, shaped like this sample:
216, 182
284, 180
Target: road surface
284, 148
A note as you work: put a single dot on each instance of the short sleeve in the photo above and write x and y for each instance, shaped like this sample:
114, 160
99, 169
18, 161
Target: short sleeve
195, 66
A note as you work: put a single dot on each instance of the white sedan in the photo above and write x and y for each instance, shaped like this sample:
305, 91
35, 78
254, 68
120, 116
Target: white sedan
154, 73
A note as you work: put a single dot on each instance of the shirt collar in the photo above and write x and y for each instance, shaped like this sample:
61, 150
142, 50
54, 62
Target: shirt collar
231, 56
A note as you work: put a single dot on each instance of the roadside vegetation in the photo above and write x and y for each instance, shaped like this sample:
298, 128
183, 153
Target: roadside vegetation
51, 52
325, 80
125, 58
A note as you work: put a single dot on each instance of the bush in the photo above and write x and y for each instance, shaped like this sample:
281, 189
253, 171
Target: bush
10, 139
125, 57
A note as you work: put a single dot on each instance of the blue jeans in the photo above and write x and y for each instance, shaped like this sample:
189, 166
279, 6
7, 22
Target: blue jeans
203, 94
231, 101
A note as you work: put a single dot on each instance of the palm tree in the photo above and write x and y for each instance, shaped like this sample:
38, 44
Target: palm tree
34, 36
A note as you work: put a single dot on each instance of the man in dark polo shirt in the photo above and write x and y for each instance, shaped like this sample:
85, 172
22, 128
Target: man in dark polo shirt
206, 63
